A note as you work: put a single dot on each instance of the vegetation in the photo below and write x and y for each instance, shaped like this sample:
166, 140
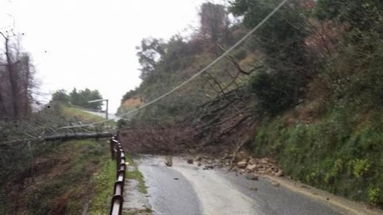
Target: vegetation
63, 181
340, 153
80, 98
103, 183
136, 175
15, 154
16, 79
332, 140
166, 64
306, 90
76, 114
54, 177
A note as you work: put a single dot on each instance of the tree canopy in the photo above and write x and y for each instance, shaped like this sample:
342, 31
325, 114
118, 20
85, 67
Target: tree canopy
80, 98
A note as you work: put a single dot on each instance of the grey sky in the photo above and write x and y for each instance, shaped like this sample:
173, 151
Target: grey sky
91, 43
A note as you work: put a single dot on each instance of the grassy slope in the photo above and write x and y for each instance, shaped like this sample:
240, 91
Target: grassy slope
340, 152
76, 113
64, 178
83, 169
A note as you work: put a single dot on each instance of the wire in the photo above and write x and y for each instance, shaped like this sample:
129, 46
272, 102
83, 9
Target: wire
213, 62
239, 42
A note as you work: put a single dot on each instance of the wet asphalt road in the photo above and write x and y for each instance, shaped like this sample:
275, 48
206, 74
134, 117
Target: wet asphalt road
185, 189
170, 192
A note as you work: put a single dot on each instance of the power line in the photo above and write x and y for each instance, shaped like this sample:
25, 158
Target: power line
239, 42
213, 62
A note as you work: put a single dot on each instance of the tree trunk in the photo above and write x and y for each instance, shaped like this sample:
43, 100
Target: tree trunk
12, 80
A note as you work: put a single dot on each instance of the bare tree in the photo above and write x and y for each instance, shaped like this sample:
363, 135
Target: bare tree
16, 81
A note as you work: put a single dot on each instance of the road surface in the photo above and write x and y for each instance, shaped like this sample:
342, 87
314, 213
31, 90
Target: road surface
186, 189
111, 116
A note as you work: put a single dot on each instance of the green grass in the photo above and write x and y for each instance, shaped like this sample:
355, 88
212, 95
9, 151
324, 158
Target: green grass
65, 179
77, 114
65, 176
341, 153
80, 114
147, 211
137, 175
104, 181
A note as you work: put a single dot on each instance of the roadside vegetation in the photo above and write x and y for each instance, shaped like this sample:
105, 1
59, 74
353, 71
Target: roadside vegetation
63, 181
103, 188
54, 177
136, 175
306, 90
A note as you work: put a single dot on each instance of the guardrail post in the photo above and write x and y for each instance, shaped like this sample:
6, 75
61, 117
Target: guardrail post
117, 202
111, 143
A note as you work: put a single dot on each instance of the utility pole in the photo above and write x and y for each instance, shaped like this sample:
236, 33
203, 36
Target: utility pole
106, 108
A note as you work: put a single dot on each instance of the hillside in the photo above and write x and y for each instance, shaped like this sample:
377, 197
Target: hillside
60, 177
305, 90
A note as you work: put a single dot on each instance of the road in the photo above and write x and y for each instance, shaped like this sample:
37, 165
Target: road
111, 116
186, 189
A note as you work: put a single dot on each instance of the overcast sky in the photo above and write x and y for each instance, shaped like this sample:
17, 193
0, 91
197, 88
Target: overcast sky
91, 43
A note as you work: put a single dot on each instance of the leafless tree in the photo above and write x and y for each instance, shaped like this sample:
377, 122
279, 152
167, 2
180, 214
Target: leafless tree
15, 80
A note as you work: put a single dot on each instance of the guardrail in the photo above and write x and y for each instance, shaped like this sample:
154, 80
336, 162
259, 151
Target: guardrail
118, 154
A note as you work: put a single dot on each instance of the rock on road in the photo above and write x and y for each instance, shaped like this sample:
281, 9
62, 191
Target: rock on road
185, 189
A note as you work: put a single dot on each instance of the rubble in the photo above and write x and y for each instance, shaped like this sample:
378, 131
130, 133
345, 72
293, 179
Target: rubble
190, 161
242, 164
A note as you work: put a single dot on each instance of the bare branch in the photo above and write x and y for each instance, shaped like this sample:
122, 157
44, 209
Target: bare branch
234, 62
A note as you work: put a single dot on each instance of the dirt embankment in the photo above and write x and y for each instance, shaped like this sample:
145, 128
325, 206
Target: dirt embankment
60, 181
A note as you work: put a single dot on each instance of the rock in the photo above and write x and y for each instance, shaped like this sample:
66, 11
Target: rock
264, 161
208, 167
241, 155
169, 161
279, 173
199, 164
251, 167
218, 165
242, 164
254, 188
275, 184
175, 178
190, 161
252, 177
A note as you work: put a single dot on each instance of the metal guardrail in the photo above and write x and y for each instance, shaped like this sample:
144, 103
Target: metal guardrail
118, 154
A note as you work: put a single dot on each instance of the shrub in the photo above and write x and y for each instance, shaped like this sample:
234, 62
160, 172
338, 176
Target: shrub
360, 167
274, 92
374, 195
